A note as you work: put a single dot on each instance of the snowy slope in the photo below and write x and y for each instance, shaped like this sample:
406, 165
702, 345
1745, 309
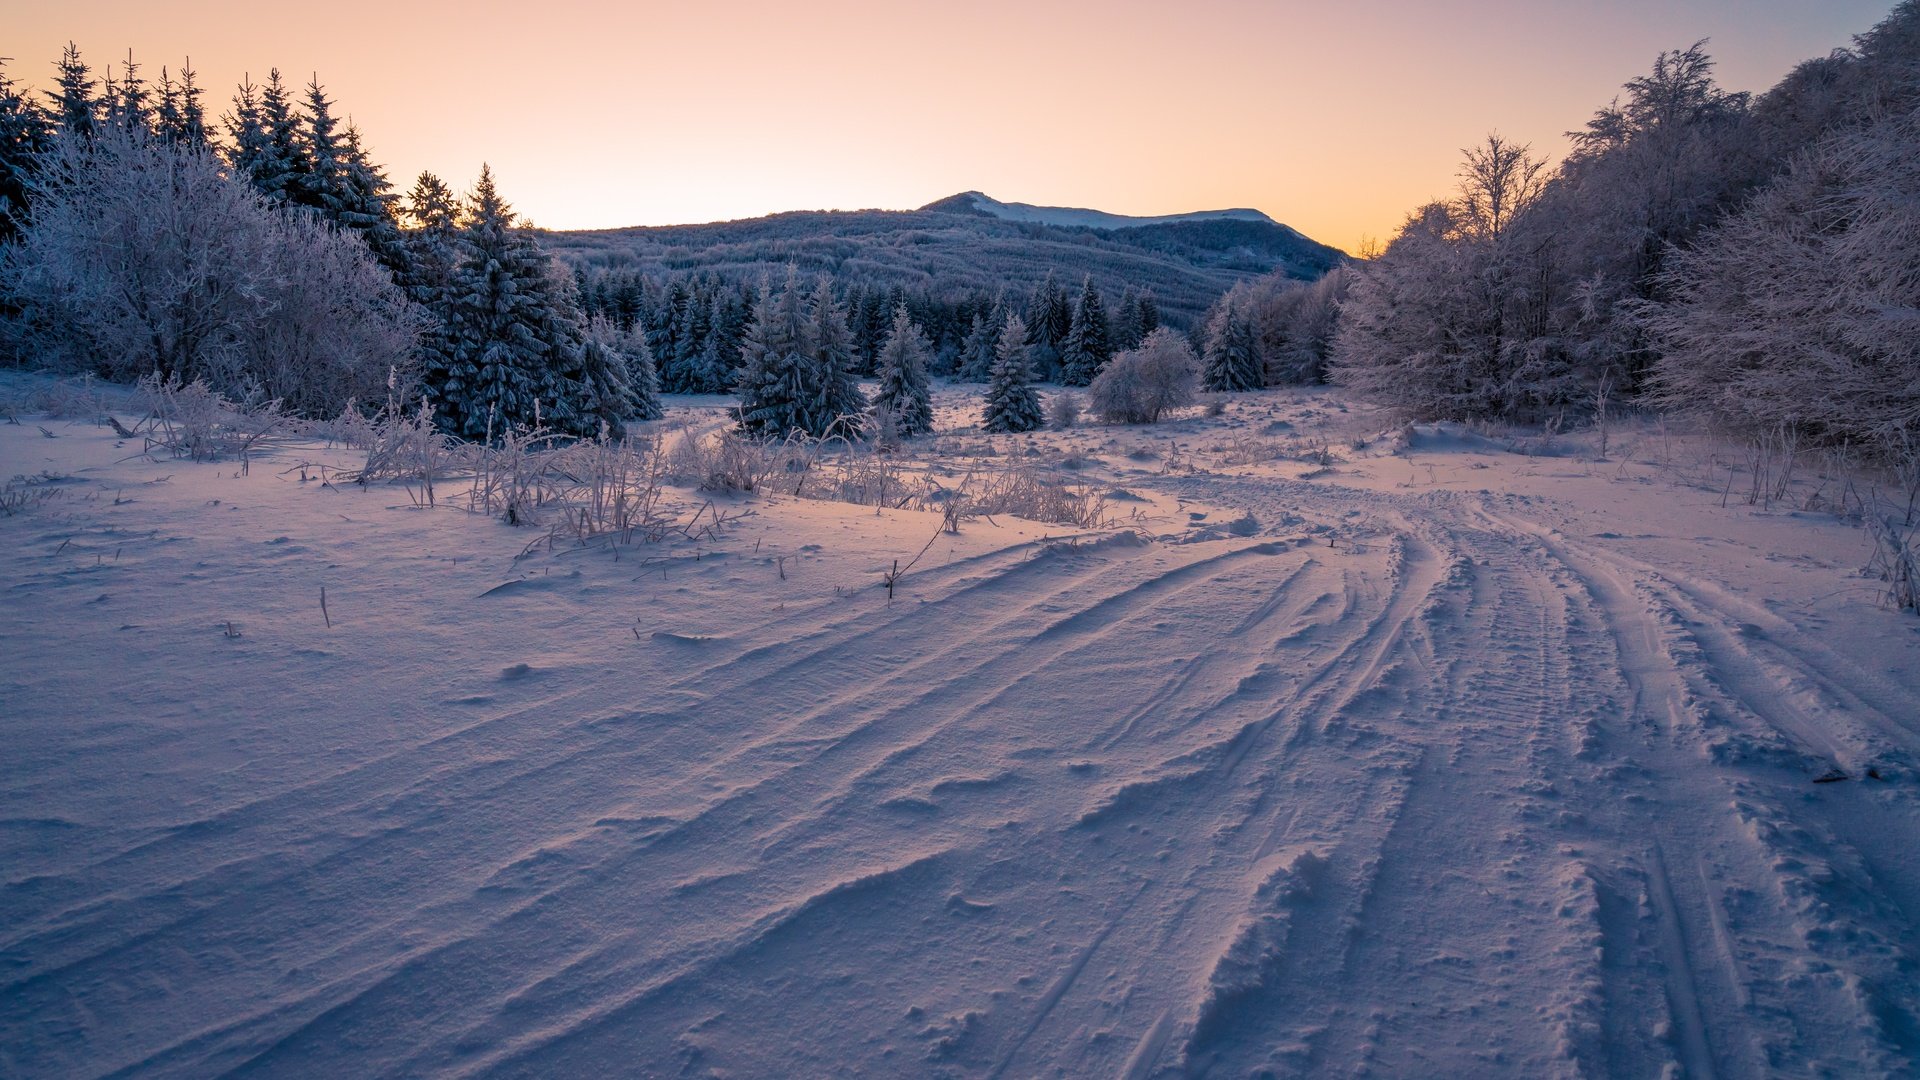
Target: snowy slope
1074, 217
1447, 761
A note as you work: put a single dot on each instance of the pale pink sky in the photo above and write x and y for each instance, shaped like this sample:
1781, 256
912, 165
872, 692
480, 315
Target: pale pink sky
1336, 118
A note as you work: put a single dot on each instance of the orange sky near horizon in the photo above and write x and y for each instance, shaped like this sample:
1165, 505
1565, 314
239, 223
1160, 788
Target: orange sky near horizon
1334, 118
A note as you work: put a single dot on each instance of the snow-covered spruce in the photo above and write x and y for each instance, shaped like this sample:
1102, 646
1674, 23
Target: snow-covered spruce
1012, 405
904, 396
1086, 349
1232, 360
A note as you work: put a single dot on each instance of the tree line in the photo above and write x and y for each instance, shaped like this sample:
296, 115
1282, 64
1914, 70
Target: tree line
1752, 258
274, 259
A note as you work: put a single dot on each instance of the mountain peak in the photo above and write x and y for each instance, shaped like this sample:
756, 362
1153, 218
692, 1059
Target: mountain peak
978, 204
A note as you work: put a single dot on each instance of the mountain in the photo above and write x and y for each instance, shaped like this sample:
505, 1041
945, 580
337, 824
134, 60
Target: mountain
972, 243
973, 202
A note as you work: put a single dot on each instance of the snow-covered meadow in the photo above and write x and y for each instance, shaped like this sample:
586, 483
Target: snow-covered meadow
1334, 747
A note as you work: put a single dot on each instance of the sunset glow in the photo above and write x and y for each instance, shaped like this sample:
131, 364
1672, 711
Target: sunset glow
1336, 119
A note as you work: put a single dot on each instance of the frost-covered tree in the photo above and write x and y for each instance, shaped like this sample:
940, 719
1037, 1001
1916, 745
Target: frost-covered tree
513, 345
1140, 385
831, 344
1645, 175
143, 257
1450, 321
1148, 319
1086, 348
1126, 321
1011, 404
782, 388
1232, 361
1049, 319
321, 185
1801, 313
978, 352
365, 206
904, 396
299, 350
607, 391
643, 379
273, 156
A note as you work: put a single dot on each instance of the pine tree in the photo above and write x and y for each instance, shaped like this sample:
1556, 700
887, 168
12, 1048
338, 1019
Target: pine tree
167, 120
322, 184
126, 100
278, 164
1149, 318
643, 379
831, 343
782, 389
1086, 349
1012, 405
904, 394
246, 133
75, 106
514, 348
977, 355
192, 131
25, 133
1232, 362
1039, 320
689, 344
1126, 321
366, 206
606, 378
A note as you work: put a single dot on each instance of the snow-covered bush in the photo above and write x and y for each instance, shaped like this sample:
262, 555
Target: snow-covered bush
1141, 384
1063, 411
145, 257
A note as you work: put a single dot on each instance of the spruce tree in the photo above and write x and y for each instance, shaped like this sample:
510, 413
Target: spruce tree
76, 108
694, 326
514, 348
1149, 316
278, 165
366, 206
246, 133
782, 389
1086, 349
192, 130
904, 394
643, 379
1126, 321
977, 355
1232, 362
126, 102
831, 343
168, 124
1012, 405
25, 133
322, 184
606, 379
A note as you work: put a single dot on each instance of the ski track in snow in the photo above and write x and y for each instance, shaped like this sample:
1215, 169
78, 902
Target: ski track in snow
1459, 793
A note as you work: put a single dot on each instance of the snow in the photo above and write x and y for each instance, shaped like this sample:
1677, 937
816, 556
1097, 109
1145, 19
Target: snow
1346, 749
1076, 217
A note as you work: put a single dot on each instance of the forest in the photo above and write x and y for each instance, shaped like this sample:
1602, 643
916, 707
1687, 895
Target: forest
1747, 258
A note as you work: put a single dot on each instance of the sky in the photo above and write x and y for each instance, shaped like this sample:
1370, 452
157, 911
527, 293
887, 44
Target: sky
1335, 117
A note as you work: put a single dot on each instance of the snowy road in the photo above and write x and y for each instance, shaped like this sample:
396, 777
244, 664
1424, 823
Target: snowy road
1462, 792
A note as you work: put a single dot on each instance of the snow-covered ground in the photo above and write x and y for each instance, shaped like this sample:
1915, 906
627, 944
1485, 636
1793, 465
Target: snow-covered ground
1342, 751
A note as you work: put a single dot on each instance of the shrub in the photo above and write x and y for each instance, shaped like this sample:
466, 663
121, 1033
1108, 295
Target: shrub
1141, 384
